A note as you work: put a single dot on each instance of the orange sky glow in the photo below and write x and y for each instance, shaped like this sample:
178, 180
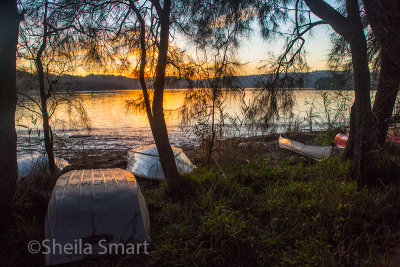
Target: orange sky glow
253, 52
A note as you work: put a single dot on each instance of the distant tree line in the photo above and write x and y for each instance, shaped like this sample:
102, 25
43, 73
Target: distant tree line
322, 80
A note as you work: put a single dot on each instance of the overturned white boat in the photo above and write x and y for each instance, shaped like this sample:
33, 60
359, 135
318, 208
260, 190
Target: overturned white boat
316, 152
28, 164
95, 210
144, 162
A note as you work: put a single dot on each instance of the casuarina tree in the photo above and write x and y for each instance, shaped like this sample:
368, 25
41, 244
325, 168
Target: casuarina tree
9, 24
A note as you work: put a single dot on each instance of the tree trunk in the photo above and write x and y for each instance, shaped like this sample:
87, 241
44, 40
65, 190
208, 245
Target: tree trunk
211, 145
349, 150
155, 113
48, 136
364, 134
386, 94
9, 23
361, 124
158, 125
384, 20
383, 17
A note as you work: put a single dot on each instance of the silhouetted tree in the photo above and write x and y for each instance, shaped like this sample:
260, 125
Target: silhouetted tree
384, 20
46, 41
215, 71
9, 23
362, 133
154, 107
347, 22
131, 28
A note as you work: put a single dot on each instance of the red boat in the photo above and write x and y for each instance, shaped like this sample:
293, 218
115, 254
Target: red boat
341, 140
393, 139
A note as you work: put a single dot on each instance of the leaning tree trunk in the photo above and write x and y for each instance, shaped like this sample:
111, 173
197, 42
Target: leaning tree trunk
47, 133
48, 136
363, 131
386, 94
9, 23
158, 125
362, 134
384, 20
155, 113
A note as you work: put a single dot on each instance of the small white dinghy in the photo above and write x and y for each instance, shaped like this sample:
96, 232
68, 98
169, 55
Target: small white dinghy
93, 211
144, 162
316, 152
30, 163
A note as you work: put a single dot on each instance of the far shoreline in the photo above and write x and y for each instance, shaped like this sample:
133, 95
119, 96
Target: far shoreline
104, 90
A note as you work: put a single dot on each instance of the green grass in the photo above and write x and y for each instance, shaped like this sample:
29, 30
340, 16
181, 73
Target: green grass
327, 138
277, 212
274, 215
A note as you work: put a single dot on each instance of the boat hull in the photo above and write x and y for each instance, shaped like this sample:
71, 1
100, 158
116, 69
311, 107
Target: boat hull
315, 152
94, 207
341, 140
28, 164
144, 162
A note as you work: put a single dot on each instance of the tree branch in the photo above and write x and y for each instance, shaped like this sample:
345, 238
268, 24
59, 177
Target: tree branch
331, 16
143, 60
157, 6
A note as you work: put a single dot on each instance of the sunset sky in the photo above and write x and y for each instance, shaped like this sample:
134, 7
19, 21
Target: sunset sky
317, 46
255, 50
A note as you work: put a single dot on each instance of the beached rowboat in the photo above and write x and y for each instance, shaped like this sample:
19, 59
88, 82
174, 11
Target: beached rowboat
28, 164
341, 140
144, 162
94, 209
316, 152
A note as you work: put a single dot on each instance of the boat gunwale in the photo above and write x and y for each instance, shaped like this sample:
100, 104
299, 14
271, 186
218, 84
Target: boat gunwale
135, 150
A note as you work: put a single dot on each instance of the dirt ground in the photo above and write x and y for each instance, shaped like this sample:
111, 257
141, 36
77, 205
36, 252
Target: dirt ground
225, 153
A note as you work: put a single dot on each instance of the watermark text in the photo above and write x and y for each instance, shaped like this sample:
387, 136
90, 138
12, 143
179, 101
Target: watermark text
79, 247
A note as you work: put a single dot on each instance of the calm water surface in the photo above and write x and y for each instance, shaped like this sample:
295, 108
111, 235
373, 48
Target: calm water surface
113, 128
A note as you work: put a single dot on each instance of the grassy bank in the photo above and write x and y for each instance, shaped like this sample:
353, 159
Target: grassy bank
262, 206
287, 214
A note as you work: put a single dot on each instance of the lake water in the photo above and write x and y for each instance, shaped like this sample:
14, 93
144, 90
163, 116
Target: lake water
113, 128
